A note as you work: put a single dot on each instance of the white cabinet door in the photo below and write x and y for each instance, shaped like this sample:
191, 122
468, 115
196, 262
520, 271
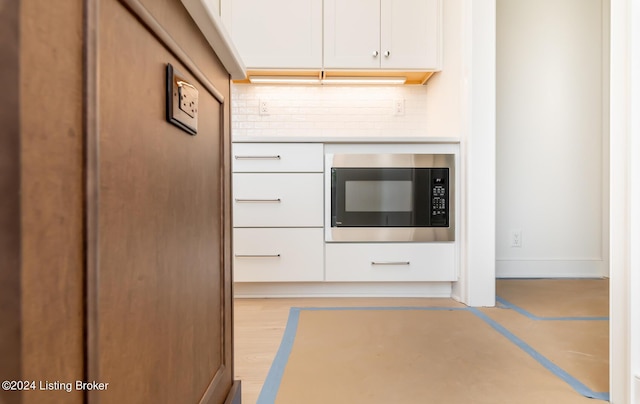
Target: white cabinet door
410, 34
351, 34
277, 200
278, 255
386, 34
277, 33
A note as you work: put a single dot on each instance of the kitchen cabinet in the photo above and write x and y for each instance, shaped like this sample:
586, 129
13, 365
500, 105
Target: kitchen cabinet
278, 254
384, 34
277, 199
390, 262
117, 234
281, 211
278, 212
277, 157
277, 33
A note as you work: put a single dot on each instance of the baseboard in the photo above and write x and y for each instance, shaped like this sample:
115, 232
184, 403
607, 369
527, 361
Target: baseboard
550, 268
342, 289
235, 394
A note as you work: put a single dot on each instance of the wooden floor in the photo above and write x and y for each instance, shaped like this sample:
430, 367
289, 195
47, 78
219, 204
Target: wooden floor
260, 324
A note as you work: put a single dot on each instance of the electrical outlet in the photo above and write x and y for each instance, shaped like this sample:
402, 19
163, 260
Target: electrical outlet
516, 238
264, 107
398, 106
182, 101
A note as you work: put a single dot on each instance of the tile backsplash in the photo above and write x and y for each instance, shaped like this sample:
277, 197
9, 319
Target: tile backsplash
328, 110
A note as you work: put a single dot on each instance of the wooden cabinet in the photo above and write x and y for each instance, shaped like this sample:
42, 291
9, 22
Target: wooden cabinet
276, 33
164, 330
278, 212
384, 34
115, 266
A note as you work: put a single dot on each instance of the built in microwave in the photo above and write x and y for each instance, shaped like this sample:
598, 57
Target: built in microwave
391, 197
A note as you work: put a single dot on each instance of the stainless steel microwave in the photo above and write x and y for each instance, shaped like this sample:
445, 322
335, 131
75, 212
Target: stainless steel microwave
391, 197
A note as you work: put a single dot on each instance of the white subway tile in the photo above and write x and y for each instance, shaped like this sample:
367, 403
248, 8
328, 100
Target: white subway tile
328, 111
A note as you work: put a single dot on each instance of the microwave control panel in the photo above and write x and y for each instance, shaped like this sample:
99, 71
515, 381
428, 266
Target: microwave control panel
439, 197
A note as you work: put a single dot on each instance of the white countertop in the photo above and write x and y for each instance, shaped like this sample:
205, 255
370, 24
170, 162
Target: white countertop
207, 19
343, 139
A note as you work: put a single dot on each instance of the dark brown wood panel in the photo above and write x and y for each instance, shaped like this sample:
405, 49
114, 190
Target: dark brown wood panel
51, 40
164, 328
10, 335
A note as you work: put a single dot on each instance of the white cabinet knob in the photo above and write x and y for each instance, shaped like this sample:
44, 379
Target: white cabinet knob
387, 53
375, 54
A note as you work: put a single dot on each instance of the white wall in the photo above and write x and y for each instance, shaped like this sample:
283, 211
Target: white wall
446, 90
625, 202
550, 138
461, 102
479, 152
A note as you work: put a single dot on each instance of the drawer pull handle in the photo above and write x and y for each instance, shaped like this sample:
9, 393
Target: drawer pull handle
390, 262
258, 157
277, 200
257, 256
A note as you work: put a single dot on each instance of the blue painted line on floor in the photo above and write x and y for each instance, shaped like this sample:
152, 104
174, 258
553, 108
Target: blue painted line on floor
552, 367
568, 278
272, 383
532, 316
274, 377
387, 308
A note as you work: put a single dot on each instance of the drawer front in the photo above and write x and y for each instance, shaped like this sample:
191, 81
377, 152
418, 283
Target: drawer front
277, 157
277, 200
278, 255
390, 262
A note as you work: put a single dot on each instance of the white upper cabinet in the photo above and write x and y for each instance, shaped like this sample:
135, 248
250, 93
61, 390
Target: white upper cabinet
385, 34
276, 33
352, 34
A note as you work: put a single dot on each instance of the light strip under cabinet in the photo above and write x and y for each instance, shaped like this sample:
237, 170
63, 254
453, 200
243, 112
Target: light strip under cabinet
327, 80
284, 80
364, 80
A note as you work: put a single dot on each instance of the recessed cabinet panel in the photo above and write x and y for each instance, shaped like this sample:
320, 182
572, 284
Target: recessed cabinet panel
278, 255
389, 262
351, 34
410, 34
277, 33
277, 200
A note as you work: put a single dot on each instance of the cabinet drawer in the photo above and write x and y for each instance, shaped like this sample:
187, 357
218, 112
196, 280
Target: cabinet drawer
390, 262
277, 200
278, 255
277, 157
